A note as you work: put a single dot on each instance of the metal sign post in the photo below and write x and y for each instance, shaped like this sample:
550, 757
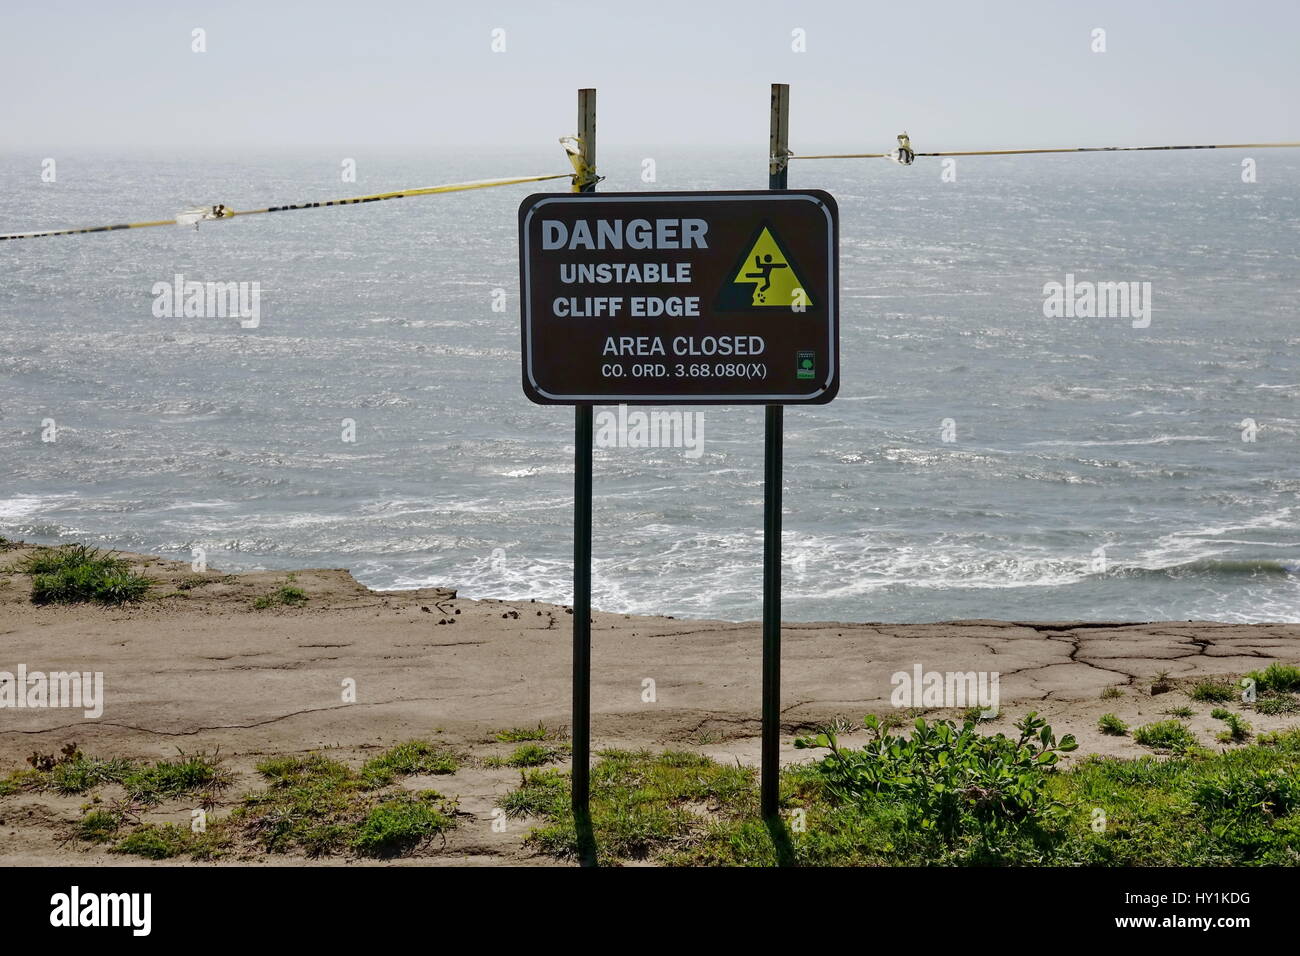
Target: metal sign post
581, 730
769, 788
678, 298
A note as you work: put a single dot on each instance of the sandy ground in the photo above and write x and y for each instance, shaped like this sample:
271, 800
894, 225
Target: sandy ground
200, 669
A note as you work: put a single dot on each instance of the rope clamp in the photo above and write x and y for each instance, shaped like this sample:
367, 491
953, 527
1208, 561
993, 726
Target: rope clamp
904, 155
778, 161
583, 175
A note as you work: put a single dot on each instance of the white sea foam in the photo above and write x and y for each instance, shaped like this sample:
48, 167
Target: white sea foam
25, 506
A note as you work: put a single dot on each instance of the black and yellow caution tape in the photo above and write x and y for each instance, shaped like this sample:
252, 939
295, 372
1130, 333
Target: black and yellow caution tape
1062, 149
220, 211
73, 232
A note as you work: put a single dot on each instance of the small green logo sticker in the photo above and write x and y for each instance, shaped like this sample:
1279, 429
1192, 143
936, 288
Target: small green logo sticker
806, 366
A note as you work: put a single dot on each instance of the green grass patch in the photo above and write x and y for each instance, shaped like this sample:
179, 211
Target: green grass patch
1277, 678
1238, 730
528, 755
76, 573
81, 774
642, 804
1259, 794
13, 782
169, 779
1276, 704
98, 826
1213, 692
541, 793
307, 805
414, 756
1284, 741
938, 797
517, 735
311, 804
1171, 735
74, 772
401, 824
1112, 725
198, 777
321, 806
288, 595
154, 841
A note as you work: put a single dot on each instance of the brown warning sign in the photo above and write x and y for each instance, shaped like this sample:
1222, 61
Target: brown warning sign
680, 298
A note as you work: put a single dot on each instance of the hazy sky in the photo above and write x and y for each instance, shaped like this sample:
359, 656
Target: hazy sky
955, 74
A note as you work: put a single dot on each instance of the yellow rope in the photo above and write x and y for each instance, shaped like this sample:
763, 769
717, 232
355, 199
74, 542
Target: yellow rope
581, 176
1065, 149
218, 211
842, 156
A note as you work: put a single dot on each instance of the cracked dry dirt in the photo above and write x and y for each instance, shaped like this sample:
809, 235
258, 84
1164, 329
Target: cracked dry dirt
199, 669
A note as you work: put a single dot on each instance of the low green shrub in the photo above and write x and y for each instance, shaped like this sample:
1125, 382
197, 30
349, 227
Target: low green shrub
1276, 678
952, 780
76, 573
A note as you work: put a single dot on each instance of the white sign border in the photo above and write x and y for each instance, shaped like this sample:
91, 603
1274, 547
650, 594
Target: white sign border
802, 398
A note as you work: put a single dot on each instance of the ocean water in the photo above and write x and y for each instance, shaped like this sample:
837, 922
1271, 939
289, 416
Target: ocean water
1071, 434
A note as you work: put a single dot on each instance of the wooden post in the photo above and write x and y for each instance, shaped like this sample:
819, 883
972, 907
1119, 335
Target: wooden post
587, 136
779, 137
581, 731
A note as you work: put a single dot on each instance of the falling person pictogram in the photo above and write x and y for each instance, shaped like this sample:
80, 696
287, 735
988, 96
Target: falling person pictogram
764, 265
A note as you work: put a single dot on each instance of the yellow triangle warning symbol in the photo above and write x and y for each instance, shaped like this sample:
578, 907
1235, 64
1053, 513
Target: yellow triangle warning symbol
766, 277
